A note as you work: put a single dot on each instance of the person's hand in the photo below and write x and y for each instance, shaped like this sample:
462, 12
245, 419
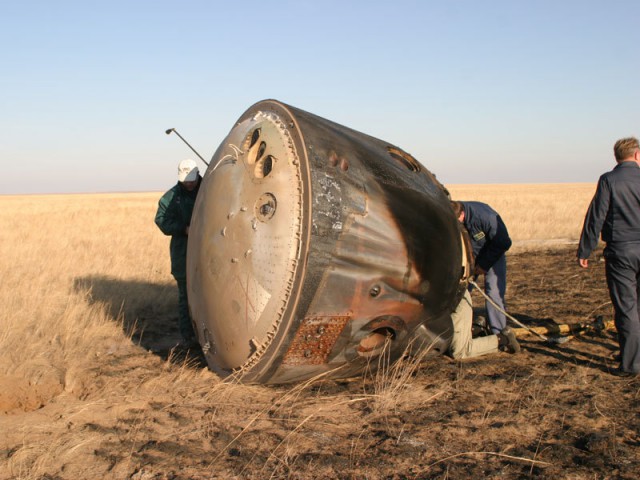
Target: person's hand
583, 262
478, 271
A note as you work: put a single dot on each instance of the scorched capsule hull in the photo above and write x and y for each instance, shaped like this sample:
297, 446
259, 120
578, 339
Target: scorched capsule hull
311, 244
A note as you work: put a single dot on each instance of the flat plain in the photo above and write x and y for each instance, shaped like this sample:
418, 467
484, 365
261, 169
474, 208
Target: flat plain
90, 386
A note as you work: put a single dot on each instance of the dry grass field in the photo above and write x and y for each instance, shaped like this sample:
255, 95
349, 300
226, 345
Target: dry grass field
90, 386
536, 215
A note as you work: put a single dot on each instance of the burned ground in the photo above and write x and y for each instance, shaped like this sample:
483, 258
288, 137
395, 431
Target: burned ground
553, 411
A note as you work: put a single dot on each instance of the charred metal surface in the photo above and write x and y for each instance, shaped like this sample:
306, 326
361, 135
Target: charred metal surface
313, 245
314, 340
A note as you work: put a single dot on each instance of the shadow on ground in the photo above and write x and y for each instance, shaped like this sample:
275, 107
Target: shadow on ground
147, 311
574, 350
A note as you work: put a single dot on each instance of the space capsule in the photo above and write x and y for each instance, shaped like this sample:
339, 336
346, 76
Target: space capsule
315, 248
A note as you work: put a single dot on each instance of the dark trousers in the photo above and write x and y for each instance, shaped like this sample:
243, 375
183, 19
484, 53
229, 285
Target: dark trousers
184, 319
623, 279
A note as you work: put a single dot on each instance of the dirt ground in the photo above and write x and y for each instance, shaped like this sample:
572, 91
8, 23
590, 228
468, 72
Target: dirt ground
144, 411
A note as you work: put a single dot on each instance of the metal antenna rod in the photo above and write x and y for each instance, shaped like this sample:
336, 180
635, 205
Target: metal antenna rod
194, 151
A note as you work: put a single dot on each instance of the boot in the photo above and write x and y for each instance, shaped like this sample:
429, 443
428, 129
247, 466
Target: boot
507, 341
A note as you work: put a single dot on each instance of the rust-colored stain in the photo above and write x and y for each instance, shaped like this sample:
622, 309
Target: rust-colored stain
314, 340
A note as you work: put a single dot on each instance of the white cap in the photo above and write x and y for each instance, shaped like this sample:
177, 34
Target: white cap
187, 171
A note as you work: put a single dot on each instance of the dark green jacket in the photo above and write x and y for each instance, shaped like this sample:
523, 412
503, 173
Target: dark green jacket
174, 215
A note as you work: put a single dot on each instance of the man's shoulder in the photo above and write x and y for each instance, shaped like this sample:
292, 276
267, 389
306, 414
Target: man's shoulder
622, 172
479, 209
170, 194
472, 203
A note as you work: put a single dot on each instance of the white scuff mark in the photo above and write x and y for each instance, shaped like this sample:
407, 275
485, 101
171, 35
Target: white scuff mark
329, 182
330, 198
228, 156
236, 150
331, 190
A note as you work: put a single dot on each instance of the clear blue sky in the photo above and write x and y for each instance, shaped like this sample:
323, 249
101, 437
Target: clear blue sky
478, 91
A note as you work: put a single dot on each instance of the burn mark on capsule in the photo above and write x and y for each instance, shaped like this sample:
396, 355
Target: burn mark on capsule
314, 340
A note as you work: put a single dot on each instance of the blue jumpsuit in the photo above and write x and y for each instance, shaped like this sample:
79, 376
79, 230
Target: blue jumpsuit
615, 212
489, 240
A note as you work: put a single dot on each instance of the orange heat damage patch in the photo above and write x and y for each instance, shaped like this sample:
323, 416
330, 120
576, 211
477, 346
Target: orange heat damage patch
314, 340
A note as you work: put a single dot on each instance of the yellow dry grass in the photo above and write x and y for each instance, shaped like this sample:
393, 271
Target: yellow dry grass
53, 335
49, 245
53, 245
535, 214
66, 351
66, 354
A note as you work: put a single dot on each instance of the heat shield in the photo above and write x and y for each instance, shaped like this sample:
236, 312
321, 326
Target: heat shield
312, 246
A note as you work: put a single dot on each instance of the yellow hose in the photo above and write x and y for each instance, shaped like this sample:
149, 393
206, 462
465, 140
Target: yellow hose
561, 329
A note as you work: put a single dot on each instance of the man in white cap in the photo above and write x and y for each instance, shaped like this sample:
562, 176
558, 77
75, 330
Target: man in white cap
173, 218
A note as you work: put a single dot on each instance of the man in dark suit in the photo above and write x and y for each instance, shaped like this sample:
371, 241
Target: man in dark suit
615, 213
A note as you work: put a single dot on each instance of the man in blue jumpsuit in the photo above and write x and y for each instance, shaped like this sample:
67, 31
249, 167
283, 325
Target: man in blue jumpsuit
615, 212
489, 240
173, 218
